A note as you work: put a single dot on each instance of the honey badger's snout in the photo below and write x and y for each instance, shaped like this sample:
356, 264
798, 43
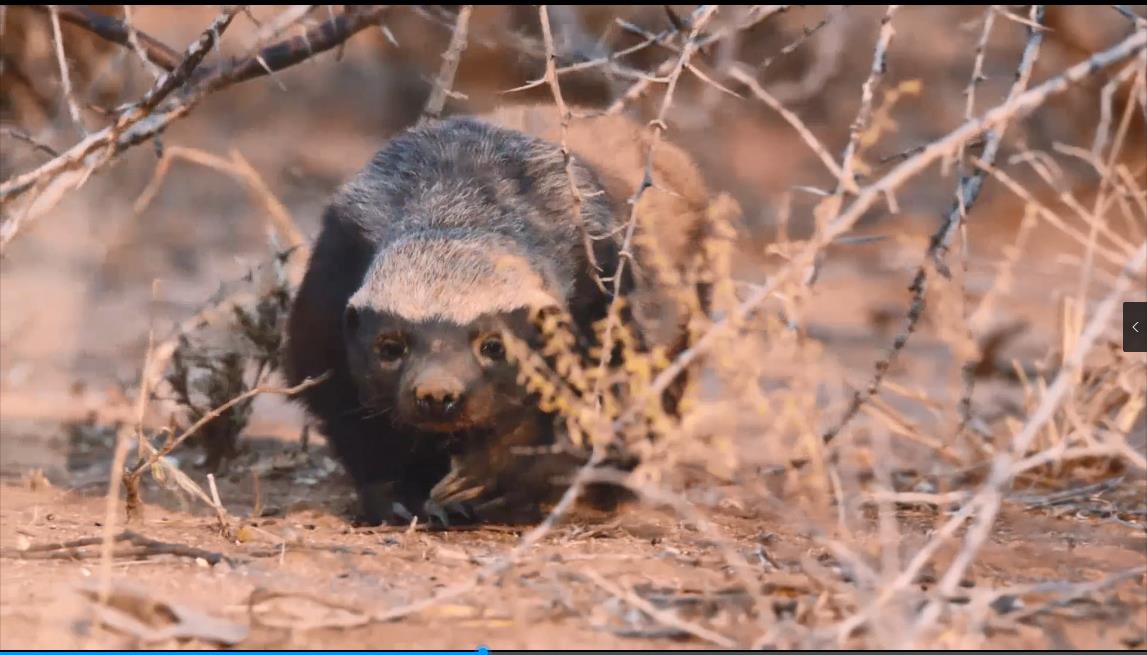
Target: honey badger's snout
437, 394
438, 397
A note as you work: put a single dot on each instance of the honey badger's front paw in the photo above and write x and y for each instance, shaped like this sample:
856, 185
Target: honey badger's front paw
482, 500
457, 488
381, 503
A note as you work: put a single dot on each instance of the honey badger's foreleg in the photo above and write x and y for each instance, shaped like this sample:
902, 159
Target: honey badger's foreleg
392, 471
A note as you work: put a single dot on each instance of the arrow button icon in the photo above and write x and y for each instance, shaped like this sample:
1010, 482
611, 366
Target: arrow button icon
1135, 327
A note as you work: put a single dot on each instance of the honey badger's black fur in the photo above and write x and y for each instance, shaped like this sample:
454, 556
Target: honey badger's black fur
454, 231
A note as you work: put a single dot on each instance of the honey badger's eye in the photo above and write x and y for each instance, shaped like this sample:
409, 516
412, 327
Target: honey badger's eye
391, 349
493, 349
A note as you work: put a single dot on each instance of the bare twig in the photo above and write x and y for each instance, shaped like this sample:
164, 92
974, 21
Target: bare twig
97, 150
864, 113
280, 23
21, 135
659, 76
450, 593
279, 214
609, 61
806, 34
968, 370
238, 166
146, 547
1102, 130
278, 56
115, 31
1110, 255
136, 125
704, 15
828, 53
1066, 591
1136, 20
1014, 109
117, 470
1005, 467
133, 39
564, 115
65, 76
450, 59
192, 57
792, 119
978, 67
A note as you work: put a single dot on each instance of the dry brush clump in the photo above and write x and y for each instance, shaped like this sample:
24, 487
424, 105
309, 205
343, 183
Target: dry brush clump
205, 375
775, 428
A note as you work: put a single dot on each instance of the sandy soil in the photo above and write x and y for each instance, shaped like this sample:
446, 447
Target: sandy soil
335, 575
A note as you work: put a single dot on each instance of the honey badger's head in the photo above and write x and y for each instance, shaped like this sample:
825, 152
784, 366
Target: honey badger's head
426, 332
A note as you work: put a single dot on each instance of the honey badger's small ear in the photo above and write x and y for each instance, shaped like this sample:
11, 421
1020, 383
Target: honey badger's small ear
541, 313
526, 322
351, 318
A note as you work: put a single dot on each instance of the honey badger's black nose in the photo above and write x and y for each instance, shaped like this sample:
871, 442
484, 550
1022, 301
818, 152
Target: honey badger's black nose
438, 402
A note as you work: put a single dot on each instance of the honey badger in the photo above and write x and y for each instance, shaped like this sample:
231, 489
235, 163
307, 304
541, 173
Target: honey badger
445, 244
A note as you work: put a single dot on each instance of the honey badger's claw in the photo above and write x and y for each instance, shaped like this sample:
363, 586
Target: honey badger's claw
401, 512
443, 512
434, 510
463, 509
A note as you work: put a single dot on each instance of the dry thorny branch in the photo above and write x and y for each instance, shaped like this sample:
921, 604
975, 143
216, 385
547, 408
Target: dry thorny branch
186, 85
1073, 410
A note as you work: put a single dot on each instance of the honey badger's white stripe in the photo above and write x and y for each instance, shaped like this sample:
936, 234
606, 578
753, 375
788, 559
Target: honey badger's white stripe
437, 277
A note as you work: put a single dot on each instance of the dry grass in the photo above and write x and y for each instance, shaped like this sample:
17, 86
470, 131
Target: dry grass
857, 466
